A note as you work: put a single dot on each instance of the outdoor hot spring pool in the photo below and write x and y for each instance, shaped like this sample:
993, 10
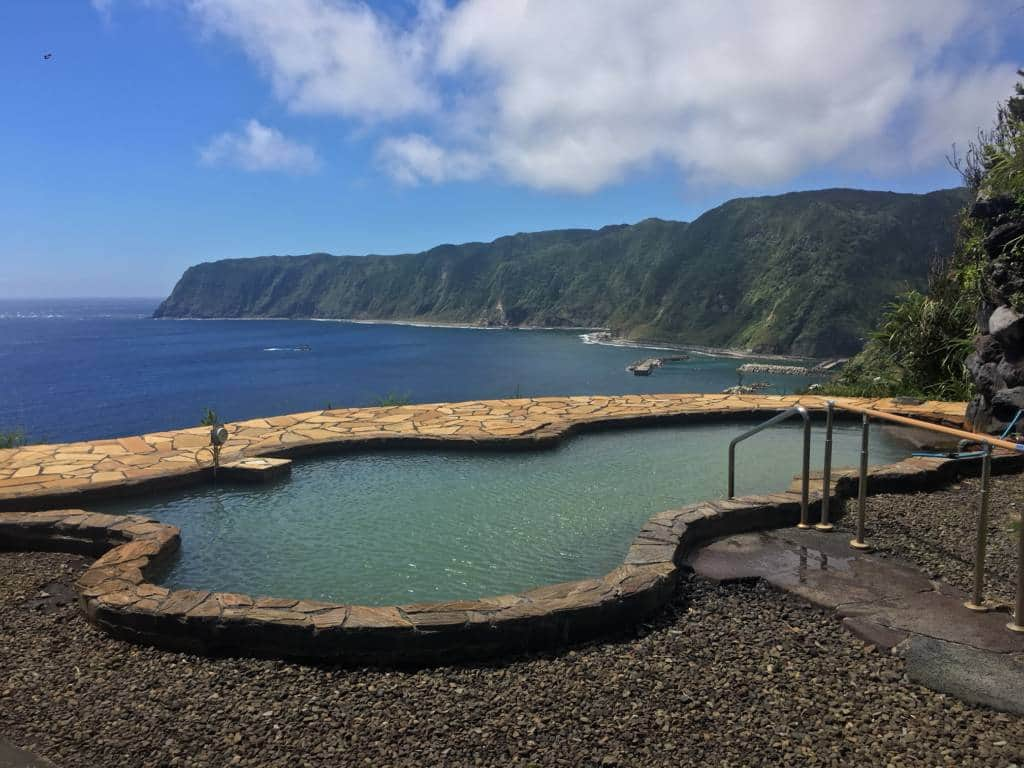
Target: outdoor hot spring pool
419, 526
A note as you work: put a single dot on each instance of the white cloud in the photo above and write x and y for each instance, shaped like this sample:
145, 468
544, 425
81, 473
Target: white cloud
577, 94
585, 92
259, 148
330, 56
103, 8
414, 158
953, 106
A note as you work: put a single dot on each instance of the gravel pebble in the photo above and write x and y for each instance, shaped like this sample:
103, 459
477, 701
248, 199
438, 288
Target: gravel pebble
937, 531
738, 675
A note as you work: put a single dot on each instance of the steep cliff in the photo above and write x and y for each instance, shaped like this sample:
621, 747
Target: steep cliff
803, 273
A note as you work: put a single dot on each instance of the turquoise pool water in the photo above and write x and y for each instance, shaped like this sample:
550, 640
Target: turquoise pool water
383, 528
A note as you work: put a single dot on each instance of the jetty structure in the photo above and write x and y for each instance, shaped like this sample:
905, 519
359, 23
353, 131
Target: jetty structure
820, 369
646, 366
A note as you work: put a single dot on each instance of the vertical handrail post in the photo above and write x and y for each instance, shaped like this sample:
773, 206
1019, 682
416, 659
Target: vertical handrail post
796, 410
1017, 623
862, 489
732, 470
977, 601
826, 470
805, 472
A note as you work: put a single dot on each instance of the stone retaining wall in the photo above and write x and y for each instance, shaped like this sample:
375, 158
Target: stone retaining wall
116, 596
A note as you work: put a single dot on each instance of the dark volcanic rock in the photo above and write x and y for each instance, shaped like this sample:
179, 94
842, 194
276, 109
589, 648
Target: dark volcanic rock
1011, 372
987, 348
1002, 235
986, 376
991, 208
997, 366
1007, 326
1007, 402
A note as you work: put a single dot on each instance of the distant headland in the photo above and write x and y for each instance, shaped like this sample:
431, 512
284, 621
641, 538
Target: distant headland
804, 273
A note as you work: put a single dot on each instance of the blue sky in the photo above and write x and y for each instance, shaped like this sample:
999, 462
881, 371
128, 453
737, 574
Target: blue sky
162, 133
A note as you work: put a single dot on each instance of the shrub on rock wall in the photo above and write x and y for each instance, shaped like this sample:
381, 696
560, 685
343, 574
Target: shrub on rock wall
922, 341
929, 345
997, 362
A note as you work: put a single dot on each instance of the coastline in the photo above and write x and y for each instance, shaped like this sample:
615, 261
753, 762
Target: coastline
589, 336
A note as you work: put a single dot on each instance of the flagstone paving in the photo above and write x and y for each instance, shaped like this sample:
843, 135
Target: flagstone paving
35, 475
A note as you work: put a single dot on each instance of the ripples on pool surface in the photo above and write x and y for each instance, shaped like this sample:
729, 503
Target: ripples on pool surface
382, 528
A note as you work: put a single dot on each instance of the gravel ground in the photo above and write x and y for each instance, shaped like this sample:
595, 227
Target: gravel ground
736, 675
938, 531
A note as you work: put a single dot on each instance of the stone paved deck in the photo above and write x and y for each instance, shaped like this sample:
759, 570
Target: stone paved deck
35, 476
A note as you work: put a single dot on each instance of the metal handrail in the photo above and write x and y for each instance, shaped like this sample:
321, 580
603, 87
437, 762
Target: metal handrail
857, 542
824, 524
797, 410
977, 601
971, 437
988, 442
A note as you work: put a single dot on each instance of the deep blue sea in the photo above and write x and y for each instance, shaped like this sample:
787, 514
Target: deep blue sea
77, 369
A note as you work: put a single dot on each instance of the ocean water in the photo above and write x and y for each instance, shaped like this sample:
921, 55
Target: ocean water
93, 368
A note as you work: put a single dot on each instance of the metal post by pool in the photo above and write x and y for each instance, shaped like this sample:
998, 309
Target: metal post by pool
805, 476
797, 410
1017, 624
862, 490
977, 601
826, 471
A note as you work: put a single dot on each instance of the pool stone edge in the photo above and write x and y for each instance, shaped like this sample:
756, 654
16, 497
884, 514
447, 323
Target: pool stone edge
72, 474
115, 595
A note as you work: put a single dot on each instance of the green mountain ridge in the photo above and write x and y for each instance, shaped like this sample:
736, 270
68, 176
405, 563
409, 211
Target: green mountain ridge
803, 273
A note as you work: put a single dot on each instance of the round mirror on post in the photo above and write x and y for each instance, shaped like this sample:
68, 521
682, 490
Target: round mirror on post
218, 435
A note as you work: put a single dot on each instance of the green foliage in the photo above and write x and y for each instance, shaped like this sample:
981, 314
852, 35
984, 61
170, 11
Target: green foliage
1005, 173
1003, 152
209, 418
923, 341
392, 399
991, 164
805, 273
12, 438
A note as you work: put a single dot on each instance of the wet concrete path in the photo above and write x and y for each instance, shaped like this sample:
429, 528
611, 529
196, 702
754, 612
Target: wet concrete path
886, 603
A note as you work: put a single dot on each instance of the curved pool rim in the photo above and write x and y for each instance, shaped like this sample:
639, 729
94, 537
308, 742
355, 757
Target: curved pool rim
167, 460
115, 595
